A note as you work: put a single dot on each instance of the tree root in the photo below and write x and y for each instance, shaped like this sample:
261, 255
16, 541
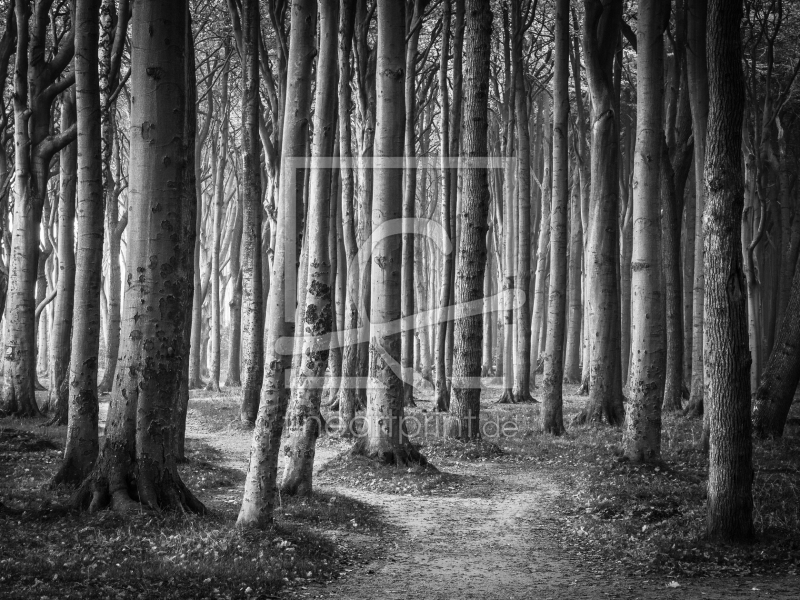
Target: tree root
442, 399
402, 455
507, 397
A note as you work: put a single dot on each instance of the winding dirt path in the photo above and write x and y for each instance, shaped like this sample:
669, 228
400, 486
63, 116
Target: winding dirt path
496, 541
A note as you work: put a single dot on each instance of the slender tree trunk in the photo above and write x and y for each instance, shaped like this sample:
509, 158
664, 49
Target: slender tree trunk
348, 394
234, 376
698, 97
413, 27
62, 315
82, 443
642, 437
260, 485
253, 335
726, 355
138, 460
442, 397
465, 404
303, 421
782, 372
112, 42
20, 353
553, 377
572, 367
218, 210
522, 375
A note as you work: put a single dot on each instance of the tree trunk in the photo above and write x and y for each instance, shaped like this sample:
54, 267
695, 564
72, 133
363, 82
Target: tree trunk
602, 257
442, 397
413, 27
62, 315
782, 372
386, 439
348, 392
303, 420
465, 400
642, 437
253, 338
572, 358
20, 353
522, 375
234, 376
553, 376
259, 491
82, 443
698, 97
218, 209
725, 354
138, 459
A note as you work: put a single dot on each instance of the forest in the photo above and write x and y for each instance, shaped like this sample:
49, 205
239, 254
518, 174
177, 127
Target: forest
399, 298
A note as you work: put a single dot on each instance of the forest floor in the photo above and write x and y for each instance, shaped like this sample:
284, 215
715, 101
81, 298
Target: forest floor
519, 515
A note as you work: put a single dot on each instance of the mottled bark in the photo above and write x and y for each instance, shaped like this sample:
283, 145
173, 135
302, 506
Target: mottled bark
138, 463
303, 417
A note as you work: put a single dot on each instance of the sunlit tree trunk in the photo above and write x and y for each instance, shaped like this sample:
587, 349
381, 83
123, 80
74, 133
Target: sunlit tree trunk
553, 377
260, 485
302, 422
218, 210
642, 436
62, 315
572, 358
600, 34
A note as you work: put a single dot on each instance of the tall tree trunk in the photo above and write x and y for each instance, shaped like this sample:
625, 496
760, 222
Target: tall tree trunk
553, 377
465, 399
642, 437
62, 315
348, 393
138, 459
112, 43
600, 34
259, 491
522, 375
303, 420
782, 372
442, 397
82, 443
20, 353
218, 211
725, 354
698, 97
572, 367
253, 338
413, 28
386, 439
234, 376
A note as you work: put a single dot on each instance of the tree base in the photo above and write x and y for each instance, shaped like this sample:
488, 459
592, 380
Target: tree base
402, 455
511, 397
442, 399
163, 491
598, 415
694, 409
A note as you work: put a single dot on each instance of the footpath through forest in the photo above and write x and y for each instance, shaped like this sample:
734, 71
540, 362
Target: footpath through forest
498, 537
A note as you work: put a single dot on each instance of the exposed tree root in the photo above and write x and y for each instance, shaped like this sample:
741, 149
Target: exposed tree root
124, 488
524, 397
599, 414
507, 397
442, 400
402, 455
